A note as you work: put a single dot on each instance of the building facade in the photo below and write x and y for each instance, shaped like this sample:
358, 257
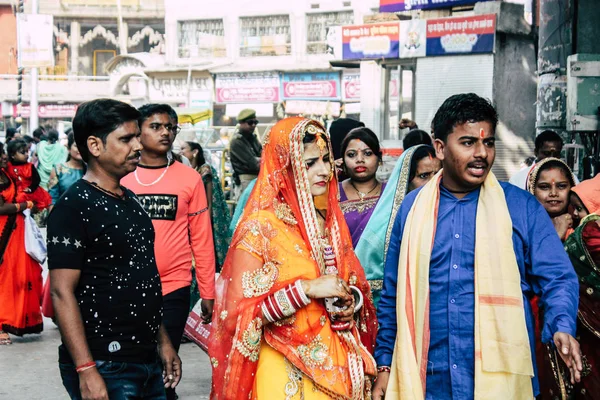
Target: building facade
273, 56
87, 35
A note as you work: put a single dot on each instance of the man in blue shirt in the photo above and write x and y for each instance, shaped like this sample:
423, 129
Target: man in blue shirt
464, 129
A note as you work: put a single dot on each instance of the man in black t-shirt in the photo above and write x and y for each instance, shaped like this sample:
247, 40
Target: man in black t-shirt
104, 281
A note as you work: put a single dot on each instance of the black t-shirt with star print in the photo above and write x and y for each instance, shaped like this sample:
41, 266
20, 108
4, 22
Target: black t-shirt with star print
111, 241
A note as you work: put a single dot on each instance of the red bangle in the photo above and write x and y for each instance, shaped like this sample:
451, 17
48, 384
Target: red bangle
384, 369
85, 366
289, 292
277, 313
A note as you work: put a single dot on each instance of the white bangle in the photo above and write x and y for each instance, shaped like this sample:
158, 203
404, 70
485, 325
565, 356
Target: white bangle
303, 297
358, 302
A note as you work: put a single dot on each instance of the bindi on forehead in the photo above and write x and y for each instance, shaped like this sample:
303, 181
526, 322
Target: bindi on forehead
481, 133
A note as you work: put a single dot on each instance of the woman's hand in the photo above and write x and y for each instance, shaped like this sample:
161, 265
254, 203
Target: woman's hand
347, 313
327, 286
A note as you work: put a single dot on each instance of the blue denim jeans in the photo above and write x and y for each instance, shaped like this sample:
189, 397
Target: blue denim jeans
124, 381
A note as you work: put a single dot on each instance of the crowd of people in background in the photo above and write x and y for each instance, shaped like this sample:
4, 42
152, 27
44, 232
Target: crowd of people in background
325, 281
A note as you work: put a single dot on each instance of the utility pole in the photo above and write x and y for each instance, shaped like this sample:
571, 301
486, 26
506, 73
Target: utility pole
33, 104
20, 79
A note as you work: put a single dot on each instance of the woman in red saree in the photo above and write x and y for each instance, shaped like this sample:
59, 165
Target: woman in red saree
273, 337
20, 275
26, 176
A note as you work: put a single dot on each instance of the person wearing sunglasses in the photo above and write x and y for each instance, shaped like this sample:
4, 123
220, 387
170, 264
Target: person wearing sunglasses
245, 149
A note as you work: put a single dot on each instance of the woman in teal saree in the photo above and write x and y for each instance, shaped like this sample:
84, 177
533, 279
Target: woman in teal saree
415, 168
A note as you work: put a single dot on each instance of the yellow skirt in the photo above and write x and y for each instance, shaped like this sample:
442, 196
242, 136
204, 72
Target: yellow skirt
276, 378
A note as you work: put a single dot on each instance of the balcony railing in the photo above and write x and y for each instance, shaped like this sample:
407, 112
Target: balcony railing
52, 88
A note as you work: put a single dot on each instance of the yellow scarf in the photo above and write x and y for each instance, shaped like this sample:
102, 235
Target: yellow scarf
503, 365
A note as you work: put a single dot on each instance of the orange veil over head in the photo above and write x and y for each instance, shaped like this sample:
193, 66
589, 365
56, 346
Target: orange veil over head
277, 242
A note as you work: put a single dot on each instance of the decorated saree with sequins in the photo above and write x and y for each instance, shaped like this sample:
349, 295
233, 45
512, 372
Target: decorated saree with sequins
583, 247
276, 243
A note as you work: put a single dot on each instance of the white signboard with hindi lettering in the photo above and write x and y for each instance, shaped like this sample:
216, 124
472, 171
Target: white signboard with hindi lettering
34, 38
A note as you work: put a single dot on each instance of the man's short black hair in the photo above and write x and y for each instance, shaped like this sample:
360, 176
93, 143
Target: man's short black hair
38, 133
99, 118
10, 133
28, 139
148, 110
547, 136
460, 109
416, 137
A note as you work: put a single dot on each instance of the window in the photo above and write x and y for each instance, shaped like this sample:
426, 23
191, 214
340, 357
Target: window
100, 59
265, 36
317, 26
201, 38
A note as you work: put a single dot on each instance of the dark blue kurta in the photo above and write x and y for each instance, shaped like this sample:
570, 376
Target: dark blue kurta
545, 271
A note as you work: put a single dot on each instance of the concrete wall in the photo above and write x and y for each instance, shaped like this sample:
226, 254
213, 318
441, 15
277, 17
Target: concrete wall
515, 90
8, 41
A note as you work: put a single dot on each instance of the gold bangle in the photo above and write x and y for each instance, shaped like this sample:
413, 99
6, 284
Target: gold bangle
18, 206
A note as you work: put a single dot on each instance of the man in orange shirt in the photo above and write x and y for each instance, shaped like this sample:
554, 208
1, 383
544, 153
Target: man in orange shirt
174, 197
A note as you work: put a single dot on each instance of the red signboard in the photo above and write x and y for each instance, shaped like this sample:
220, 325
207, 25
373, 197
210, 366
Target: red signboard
245, 95
351, 86
260, 87
47, 110
301, 90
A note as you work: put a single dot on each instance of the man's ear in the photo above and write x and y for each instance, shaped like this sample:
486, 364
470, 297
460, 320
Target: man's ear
439, 146
95, 146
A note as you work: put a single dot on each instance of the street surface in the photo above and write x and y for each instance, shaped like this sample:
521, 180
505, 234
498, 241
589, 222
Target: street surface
29, 368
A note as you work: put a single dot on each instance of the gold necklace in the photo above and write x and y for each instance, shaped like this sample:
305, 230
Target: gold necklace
362, 195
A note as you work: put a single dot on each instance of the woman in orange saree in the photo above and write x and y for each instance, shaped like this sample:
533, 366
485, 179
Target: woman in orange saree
273, 336
20, 275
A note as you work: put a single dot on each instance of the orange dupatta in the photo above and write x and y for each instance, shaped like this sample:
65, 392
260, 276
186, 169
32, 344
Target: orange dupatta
276, 243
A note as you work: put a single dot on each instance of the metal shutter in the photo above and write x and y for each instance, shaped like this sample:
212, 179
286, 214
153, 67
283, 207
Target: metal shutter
440, 77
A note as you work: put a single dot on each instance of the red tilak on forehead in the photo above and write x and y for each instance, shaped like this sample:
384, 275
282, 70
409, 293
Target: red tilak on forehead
481, 133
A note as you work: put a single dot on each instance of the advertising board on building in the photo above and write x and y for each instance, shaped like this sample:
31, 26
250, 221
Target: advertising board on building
413, 38
351, 86
47, 110
35, 33
247, 87
311, 86
447, 36
466, 35
407, 5
371, 41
